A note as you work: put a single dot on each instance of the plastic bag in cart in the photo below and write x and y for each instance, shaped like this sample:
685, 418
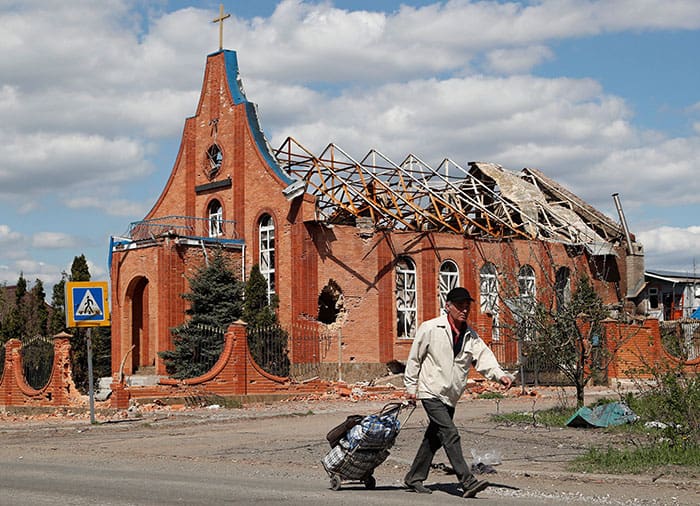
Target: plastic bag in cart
374, 431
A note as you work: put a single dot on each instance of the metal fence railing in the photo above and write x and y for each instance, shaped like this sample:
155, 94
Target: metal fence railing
37, 360
186, 226
268, 346
299, 351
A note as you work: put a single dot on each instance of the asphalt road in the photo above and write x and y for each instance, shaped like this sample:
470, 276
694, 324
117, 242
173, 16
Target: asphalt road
271, 455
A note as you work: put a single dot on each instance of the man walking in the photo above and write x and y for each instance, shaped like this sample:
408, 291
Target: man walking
442, 353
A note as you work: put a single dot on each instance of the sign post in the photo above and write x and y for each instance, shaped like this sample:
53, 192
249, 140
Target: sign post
87, 305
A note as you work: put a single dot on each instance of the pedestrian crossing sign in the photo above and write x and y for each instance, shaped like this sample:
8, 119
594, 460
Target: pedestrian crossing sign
87, 304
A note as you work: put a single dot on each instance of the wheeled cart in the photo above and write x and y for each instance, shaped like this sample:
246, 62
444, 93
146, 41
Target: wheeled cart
360, 444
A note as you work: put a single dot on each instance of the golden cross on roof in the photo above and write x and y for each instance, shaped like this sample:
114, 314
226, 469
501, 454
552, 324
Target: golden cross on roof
220, 20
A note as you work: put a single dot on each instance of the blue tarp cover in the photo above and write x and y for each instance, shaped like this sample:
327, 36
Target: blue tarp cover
614, 413
696, 314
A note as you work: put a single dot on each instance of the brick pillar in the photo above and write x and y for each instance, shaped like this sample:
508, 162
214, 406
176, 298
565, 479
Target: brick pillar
120, 396
61, 381
11, 388
6, 384
238, 360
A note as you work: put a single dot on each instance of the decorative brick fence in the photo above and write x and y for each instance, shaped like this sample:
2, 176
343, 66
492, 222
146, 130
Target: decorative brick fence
59, 390
235, 374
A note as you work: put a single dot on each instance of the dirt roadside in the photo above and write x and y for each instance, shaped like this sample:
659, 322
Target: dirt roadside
288, 438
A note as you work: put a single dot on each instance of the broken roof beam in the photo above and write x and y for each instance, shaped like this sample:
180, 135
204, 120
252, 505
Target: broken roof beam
484, 216
608, 228
401, 199
442, 213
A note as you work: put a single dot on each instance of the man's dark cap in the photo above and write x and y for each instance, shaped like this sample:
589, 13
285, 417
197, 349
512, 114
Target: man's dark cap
457, 294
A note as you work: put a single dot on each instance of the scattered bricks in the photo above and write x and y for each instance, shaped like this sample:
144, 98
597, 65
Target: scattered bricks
343, 390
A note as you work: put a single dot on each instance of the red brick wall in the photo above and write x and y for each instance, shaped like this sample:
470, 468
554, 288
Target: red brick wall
637, 347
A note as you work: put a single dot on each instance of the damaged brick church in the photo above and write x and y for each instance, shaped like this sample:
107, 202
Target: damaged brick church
367, 245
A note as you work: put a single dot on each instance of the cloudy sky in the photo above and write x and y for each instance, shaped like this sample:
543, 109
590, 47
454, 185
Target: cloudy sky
601, 95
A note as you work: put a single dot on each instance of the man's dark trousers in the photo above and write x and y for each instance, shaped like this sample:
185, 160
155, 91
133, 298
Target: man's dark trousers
441, 432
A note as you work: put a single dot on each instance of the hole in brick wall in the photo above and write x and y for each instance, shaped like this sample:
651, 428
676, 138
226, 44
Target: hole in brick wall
330, 302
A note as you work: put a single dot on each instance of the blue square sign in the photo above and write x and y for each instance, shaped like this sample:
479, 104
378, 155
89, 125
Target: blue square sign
87, 304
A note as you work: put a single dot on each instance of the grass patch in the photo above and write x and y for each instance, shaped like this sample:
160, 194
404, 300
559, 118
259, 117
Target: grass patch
672, 449
553, 417
638, 459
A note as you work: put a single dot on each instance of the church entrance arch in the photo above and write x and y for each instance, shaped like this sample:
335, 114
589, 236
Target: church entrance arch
143, 353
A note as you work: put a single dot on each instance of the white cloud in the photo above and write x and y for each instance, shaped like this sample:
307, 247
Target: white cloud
112, 207
517, 60
52, 240
7, 235
62, 161
673, 247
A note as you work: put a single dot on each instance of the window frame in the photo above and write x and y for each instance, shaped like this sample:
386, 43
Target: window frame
215, 212
406, 296
266, 252
447, 280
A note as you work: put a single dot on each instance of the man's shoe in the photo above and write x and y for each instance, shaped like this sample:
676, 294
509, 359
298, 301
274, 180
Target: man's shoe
474, 488
419, 488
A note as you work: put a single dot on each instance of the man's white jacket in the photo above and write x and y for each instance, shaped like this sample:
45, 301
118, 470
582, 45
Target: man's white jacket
433, 371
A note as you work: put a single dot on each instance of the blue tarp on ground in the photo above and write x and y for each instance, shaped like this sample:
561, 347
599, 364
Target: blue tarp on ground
614, 413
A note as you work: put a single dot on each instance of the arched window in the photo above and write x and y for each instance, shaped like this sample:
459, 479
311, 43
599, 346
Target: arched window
406, 309
448, 278
266, 244
214, 160
488, 293
562, 287
216, 219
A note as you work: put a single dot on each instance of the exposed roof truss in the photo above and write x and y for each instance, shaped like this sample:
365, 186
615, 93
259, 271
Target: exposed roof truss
485, 200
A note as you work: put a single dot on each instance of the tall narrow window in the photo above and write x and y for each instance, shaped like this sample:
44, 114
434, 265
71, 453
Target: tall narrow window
216, 219
266, 230
526, 282
406, 309
447, 280
562, 287
526, 289
488, 293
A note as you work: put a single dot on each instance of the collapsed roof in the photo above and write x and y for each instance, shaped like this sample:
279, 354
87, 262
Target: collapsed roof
483, 201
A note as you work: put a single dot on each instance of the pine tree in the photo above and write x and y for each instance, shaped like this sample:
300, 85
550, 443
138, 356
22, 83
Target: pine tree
79, 270
215, 302
15, 325
57, 321
20, 289
266, 339
38, 317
